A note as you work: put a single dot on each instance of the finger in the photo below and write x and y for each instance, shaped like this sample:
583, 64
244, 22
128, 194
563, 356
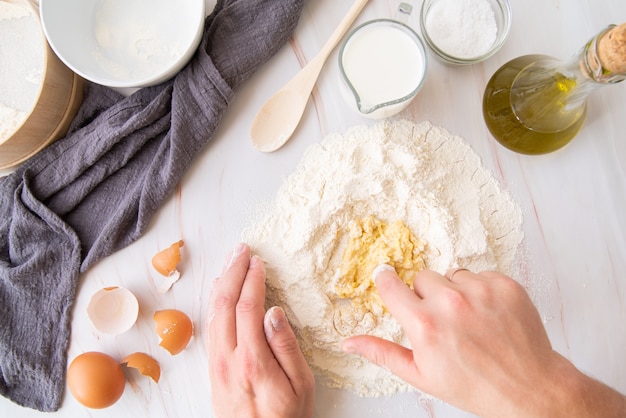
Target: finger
209, 316
459, 275
493, 275
502, 281
394, 357
211, 307
284, 346
225, 296
227, 261
250, 307
428, 282
398, 298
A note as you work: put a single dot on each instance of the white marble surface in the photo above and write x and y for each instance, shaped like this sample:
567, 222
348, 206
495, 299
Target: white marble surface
573, 202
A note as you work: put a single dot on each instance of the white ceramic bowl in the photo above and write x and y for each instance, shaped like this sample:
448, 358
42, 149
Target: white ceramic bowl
124, 43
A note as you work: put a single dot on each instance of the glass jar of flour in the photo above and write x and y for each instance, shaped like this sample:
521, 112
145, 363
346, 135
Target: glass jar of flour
461, 32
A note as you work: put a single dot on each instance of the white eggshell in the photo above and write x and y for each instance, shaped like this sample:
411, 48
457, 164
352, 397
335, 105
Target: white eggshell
169, 281
113, 310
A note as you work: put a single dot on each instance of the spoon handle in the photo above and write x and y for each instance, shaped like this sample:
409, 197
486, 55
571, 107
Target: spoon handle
304, 81
342, 28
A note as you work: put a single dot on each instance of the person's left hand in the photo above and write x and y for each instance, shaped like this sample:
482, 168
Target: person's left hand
255, 363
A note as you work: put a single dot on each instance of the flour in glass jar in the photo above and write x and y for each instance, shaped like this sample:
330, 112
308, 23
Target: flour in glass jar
462, 28
419, 174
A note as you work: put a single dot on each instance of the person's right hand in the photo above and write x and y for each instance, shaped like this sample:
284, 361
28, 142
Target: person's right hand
478, 342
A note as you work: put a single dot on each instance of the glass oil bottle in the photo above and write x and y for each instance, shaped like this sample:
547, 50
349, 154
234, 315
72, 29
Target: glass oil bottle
535, 104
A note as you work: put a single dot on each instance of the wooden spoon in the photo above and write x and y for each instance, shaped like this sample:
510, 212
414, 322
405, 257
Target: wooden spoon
280, 115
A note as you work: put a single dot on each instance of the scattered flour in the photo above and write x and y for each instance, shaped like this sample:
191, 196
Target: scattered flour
416, 173
21, 65
462, 28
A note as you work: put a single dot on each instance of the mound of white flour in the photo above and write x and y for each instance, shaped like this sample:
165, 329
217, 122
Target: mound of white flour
395, 170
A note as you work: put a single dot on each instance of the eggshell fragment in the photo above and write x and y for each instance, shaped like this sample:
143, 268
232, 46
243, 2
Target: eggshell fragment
113, 310
175, 329
168, 282
96, 380
165, 262
144, 364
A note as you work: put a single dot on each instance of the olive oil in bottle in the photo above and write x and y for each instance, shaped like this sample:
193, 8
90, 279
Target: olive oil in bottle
535, 104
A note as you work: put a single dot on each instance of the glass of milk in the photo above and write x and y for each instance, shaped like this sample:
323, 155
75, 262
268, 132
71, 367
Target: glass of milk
383, 65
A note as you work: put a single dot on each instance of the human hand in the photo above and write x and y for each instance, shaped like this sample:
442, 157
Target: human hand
477, 342
255, 363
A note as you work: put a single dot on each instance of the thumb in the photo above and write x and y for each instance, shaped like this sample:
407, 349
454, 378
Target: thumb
284, 345
387, 354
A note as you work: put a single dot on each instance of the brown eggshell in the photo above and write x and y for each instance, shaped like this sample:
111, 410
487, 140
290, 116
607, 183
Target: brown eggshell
175, 329
144, 364
165, 261
96, 380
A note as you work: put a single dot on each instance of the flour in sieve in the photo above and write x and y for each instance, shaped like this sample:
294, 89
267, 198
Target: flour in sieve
21, 64
395, 170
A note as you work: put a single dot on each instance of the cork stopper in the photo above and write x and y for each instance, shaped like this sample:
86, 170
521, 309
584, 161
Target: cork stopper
612, 50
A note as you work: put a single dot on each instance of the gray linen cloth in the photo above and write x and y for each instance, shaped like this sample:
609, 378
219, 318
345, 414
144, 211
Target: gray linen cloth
94, 191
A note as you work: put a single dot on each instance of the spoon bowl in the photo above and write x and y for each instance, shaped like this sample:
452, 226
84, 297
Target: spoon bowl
270, 135
279, 117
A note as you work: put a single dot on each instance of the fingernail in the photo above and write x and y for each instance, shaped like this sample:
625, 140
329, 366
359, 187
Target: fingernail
237, 251
274, 321
381, 268
349, 347
256, 261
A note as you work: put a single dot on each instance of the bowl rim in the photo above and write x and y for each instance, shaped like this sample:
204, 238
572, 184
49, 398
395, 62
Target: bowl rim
507, 17
165, 73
